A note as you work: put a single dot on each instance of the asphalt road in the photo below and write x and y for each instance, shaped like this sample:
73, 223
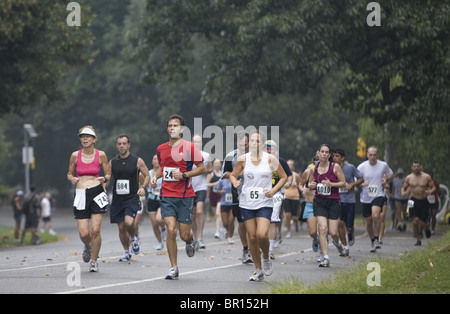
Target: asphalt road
58, 267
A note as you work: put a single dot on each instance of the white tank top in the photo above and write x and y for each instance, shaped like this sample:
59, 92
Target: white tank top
257, 179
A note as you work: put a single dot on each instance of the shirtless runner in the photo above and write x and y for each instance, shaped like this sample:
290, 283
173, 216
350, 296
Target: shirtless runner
421, 186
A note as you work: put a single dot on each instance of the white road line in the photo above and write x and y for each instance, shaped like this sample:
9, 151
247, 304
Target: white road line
146, 280
182, 274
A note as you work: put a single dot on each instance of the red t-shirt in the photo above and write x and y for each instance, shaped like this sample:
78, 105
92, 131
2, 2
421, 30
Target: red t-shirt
182, 156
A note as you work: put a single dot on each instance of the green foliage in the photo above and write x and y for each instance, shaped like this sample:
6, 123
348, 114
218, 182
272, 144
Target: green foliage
417, 272
37, 49
313, 68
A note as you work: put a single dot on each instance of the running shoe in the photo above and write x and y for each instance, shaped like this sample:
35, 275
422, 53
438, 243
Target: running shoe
126, 257
428, 233
135, 246
173, 274
339, 247
373, 248
315, 244
278, 240
272, 254
267, 266
351, 238
190, 248
320, 258
201, 245
246, 257
87, 254
160, 246
345, 252
93, 266
258, 275
377, 244
325, 263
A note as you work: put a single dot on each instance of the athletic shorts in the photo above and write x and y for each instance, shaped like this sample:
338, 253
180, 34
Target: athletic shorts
200, 196
420, 209
120, 210
225, 208
264, 212
31, 221
237, 212
89, 201
348, 214
214, 198
327, 207
379, 201
291, 206
308, 211
153, 205
181, 208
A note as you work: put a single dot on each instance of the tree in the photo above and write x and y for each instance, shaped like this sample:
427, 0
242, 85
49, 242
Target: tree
401, 68
287, 46
37, 50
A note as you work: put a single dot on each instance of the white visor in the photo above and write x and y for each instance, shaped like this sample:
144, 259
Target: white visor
87, 131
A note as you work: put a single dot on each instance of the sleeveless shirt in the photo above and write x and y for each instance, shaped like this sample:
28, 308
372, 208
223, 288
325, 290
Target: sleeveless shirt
90, 169
126, 179
256, 179
322, 190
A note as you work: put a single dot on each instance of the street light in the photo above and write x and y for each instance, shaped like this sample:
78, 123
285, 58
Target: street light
27, 153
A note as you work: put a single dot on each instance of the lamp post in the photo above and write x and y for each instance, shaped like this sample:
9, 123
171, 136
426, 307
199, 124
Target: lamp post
27, 153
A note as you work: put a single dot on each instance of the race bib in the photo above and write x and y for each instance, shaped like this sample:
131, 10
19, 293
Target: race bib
343, 190
168, 174
101, 200
156, 190
323, 190
122, 187
228, 197
431, 199
254, 194
410, 203
372, 190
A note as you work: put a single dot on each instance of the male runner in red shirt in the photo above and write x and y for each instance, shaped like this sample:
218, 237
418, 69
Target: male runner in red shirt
176, 158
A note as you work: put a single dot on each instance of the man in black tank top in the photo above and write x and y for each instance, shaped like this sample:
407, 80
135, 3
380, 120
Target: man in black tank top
125, 168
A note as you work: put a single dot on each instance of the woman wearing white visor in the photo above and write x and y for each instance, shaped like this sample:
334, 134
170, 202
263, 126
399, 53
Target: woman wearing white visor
90, 201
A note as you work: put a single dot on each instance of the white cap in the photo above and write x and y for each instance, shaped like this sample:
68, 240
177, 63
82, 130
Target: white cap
87, 131
270, 143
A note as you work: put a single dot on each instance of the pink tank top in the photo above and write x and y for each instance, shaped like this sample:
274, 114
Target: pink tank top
90, 169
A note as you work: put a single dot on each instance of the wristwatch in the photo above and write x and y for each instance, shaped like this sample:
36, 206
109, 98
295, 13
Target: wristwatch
184, 175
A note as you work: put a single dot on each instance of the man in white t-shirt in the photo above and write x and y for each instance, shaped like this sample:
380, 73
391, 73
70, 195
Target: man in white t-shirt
373, 197
200, 186
46, 211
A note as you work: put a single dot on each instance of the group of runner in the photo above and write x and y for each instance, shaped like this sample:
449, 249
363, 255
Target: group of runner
254, 183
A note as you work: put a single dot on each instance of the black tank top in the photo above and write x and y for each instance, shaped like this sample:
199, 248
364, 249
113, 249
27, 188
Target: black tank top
126, 179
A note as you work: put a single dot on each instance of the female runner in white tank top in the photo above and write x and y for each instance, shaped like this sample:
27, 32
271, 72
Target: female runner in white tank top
255, 201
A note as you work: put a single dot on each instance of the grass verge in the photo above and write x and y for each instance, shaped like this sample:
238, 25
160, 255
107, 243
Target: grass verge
7, 238
424, 271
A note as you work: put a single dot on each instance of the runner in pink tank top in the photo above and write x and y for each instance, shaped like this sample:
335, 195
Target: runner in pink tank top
88, 169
